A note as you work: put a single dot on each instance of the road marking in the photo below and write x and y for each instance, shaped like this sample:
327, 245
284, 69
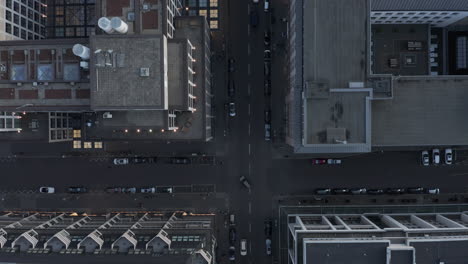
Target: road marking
250, 208
250, 227
248, 68
249, 149
250, 167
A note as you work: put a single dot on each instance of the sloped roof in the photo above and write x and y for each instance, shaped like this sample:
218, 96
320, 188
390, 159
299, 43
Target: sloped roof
420, 5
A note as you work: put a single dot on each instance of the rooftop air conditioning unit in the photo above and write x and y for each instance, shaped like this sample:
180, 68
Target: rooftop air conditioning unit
146, 7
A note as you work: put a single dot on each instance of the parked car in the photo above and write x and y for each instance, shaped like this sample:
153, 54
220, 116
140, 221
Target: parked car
138, 160
243, 247
77, 189
129, 190
268, 246
114, 190
341, 191
358, 191
425, 158
148, 190
47, 190
435, 156
319, 161
433, 191
232, 235
334, 161
415, 190
232, 253
231, 88
231, 62
245, 182
120, 161
395, 190
267, 132
375, 191
323, 191
268, 228
267, 5
267, 90
448, 156
164, 189
232, 109
180, 160
254, 18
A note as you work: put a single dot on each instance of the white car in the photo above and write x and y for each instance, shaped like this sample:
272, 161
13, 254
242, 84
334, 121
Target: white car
425, 158
120, 161
243, 247
334, 161
255, 1
448, 156
148, 190
435, 156
433, 190
47, 190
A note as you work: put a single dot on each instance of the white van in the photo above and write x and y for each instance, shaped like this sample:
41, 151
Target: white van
267, 5
243, 246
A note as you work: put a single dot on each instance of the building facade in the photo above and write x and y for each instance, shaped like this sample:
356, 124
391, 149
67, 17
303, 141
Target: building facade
22, 19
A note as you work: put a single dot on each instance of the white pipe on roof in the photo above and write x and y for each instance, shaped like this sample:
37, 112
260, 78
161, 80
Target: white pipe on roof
105, 24
81, 51
119, 25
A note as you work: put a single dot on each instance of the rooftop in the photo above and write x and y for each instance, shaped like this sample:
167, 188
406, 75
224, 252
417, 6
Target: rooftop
420, 5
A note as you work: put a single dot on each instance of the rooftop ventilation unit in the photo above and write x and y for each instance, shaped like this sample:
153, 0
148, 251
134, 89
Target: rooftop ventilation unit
146, 7
144, 72
105, 24
81, 51
119, 25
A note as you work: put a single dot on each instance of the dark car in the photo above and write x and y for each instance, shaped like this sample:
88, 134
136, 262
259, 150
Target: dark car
180, 160
267, 116
232, 253
267, 89
114, 190
341, 191
375, 191
164, 189
232, 235
254, 18
139, 160
268, 228
129, 190
231, 67
231, 88
395, 190
77, 189
323, 191
267, 55
266, 68
267, 38
267, 132
415, 190
358, 191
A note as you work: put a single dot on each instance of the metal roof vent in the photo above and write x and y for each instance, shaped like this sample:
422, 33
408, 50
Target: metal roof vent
144, 72
146, 7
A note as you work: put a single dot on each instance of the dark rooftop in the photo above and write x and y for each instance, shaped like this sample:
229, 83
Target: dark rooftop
420, 5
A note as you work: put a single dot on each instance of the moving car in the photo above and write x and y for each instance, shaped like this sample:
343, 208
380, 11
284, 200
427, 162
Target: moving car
267, 90
231, 62
232, 109
266, 68
232, 235
138, 160
164, 189
319, 161
375, 191
232, 253
232, 88
267, 132
267, 5
358, 191
435, 156
77, 189
120, 161
433, 191
268, 246
267, 54
180, 160
395, 190
267, 116
448, 156
129, 190
148, 190
334, 161
415, 190
114, 190
47, 190
243, 247
267, 38
341, 191
268, 228
425, 158
245, 182
323, 191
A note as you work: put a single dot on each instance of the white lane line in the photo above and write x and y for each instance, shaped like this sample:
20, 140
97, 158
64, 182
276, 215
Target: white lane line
249, 149
250, 227
250, 167
248, 69
250, 207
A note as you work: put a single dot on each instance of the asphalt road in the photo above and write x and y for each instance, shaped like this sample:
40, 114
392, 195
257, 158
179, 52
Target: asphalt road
241, 151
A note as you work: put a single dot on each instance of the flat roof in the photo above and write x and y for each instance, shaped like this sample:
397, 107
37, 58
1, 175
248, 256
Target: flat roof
440, 250
419, 5
116, 72
335, 41
345, 251
424, 111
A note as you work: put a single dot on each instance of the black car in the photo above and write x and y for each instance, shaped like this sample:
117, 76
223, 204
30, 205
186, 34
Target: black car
268, 228
266, 68
415, 190
231, 62
341, 191
267, 84
114, 190
323, 191
267, 55
375, 191
232, 253
395, 190
267, 38
232, 235
77, 189
139, 160
267, 116
180, 160
231, 88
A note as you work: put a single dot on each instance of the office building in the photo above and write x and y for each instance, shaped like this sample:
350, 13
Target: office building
22, 19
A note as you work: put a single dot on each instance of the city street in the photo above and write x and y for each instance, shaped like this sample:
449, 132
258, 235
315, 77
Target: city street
240, 149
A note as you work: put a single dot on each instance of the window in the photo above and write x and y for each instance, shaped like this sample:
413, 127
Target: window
214, 24
23, 22
214, 3
59, 32
8, 28
214, 13
23, 10
23, 34
59, 21
16, 31
203, 3
30, 14
202, 12
16, 7
8, 3
31, 3
59, 10
30, 35
16, 19
30, 25
8, 15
